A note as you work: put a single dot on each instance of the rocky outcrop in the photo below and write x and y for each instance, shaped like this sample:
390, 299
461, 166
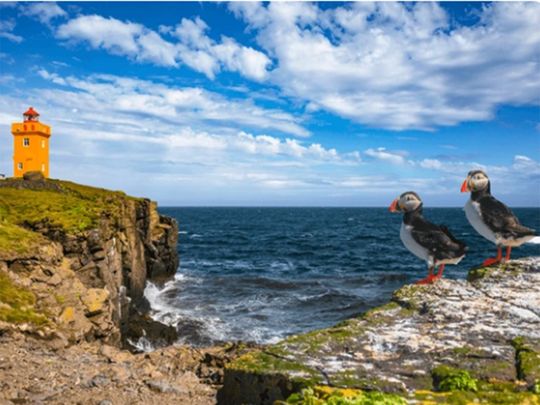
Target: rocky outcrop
86, 262
474, 336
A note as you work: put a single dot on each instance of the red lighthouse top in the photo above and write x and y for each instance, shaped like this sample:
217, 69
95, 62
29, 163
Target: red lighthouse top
31, 115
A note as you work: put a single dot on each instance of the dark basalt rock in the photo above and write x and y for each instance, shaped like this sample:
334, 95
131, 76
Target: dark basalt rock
33, 176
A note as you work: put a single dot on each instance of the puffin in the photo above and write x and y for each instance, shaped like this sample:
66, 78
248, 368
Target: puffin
432, 243
491, 218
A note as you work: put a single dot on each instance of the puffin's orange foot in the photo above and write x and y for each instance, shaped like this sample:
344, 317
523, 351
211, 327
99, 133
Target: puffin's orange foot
491, 261
428, 280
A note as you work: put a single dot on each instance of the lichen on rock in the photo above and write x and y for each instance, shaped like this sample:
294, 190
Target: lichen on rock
452, 339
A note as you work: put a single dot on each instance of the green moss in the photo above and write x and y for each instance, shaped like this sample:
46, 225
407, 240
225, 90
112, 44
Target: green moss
13, 238
60, 299
478, 274
265, 363
311, 396
528, 362
312, 342
452, 379
493, 397
407, 296
17, 304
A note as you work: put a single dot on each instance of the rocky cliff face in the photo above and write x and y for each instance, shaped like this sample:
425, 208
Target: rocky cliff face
468, 341
80, 258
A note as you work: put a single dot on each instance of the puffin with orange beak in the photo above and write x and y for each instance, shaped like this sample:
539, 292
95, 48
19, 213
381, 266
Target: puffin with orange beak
432, 243
491, 218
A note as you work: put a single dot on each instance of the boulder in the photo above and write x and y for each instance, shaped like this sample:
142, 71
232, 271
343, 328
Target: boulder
33, 176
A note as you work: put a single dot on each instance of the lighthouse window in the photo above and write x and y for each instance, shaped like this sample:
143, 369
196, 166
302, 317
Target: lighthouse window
26, 142
19, 166
43, 167
43, 144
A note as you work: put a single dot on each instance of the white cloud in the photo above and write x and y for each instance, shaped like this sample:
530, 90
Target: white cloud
43, 12
518, 177
400, 65
394, 157
125, 99
115, 36
53, 77
196, 46
6, 31
191, 46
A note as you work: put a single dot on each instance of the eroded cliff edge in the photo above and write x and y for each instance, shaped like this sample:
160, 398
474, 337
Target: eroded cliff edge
455, 341
74, 260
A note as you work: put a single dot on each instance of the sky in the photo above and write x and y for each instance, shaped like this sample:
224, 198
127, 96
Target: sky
279, 104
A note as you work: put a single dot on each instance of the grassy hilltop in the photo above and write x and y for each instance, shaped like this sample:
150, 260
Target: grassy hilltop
69, 207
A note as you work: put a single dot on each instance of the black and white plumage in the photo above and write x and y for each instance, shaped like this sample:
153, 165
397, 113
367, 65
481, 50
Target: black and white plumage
432, 243
491, 218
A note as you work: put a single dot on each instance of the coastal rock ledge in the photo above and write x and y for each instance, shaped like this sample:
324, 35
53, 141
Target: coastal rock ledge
455, 341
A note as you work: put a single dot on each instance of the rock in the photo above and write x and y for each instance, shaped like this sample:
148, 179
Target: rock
114, 355
163, 386
98, 380
33, 176
93, 266
142, 325
99, 255
54, 280
95, 300
67, 315
401, 347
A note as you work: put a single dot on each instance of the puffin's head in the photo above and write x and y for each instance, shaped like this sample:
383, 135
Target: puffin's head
476, 180
407, 202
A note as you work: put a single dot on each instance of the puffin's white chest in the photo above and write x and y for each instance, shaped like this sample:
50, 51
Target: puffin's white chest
413, 246
474, 216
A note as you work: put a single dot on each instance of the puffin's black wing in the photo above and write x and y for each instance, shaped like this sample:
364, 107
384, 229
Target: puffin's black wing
500, 219
437, 239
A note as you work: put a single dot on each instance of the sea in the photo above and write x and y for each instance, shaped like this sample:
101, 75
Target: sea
261, 274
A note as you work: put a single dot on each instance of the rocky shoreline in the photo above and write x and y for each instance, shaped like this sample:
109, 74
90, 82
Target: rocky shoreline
484, 332
74, 261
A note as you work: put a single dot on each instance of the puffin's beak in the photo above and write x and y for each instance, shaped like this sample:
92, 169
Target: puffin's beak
465, 186
394, 206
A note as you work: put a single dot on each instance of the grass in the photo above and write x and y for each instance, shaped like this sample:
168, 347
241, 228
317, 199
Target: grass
17, 304
15, 239
70, 207
75, 208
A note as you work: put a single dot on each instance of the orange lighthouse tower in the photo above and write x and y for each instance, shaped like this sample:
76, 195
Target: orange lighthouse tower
30, 145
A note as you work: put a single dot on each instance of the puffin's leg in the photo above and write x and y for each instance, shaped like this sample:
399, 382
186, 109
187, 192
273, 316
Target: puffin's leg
439, 273
494, 260
508, 250
429, 279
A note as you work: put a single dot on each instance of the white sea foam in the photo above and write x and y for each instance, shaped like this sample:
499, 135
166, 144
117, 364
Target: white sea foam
142, 344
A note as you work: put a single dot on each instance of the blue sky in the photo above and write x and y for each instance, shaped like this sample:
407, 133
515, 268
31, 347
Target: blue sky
279, 104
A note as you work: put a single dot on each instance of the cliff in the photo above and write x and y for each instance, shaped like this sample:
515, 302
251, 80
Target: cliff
455, 341
74, 261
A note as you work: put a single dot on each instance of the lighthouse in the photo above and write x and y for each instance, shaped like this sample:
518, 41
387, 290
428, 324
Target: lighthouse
30, 145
